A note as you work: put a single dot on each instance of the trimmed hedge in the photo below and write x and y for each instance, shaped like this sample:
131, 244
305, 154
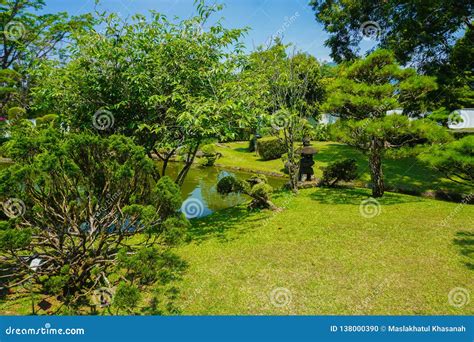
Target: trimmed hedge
339, 170
270, 148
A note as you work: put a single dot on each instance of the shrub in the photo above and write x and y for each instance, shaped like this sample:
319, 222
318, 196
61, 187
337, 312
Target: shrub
210, 155
256, 187
126, 297
49, 120
270, 148
226, 185
16, 113
109, 196
321, 133
339, 170
261, 195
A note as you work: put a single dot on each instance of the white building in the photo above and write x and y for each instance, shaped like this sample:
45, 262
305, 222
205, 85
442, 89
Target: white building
465, 114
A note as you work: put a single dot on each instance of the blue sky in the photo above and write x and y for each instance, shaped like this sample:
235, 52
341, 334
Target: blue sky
294, 18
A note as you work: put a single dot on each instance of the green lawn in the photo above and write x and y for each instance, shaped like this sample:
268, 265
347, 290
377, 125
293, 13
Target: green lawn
406, 174
321, 254
324, 257
329, 258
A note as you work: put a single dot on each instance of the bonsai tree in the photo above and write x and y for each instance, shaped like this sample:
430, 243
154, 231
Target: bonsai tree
362, 94
256, 187
209, 155
88, 212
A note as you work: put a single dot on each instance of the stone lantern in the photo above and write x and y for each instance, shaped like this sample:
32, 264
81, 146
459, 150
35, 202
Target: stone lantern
306, 162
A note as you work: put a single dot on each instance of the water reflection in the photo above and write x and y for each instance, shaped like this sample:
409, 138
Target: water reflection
200, 184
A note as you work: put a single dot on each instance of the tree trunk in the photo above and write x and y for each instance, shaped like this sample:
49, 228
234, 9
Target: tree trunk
189, 162
376, 171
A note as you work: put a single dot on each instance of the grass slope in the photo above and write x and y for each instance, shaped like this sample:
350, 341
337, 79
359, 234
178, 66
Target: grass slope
330, 258
407, 174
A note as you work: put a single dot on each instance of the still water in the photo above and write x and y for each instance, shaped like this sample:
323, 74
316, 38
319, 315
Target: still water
199, 190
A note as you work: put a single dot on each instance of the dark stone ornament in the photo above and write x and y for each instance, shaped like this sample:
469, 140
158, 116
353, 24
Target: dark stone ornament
306, 162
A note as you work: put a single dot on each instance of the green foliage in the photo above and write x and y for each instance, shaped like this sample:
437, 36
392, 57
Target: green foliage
396, 131
262, 191
49, 120
363, 93
270, 148
269, 68
168, 195
85, 190
229, 184
142, 266
371, 86
321, 133
290, 89
210, 155
126, 297
421, 32
16, 113
339, 170
55, 284
29, 37
13, 240
455, 160
455, 76
175, 230
256, 187
10, 89
170, 84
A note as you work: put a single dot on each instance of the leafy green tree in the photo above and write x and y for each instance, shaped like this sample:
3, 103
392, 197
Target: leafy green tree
90, 209
455, 78
9, 90
289, 90
420, 32
27, 37
362, 94
455, 160
167, 83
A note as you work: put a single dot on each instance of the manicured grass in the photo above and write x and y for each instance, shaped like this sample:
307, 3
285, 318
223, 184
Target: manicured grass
330, 258
320, 252
407, 174
323, 253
